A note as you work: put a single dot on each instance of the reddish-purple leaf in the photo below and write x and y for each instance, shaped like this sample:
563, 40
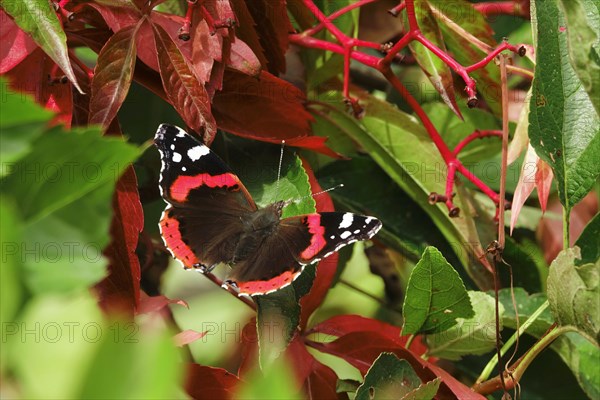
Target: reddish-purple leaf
119, 292
244, 98
543, 182
150, 304
188, 336
31, 76
183, 89
273, 27
112, 76
204, 382
243, 59
16, 44
246, 30
361, 349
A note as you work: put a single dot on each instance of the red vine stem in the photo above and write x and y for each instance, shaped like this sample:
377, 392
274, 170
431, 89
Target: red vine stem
346, 46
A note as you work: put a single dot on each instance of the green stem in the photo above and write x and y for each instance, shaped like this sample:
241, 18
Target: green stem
494, 360
409, 341
566, 239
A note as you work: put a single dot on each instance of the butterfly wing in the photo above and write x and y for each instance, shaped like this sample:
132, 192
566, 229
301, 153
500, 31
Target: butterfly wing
201, 224
299, 241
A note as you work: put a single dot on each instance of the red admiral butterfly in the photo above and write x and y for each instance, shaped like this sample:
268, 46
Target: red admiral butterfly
211, 218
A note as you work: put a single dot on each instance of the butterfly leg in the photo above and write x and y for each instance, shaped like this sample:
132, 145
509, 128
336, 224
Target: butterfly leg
205, 269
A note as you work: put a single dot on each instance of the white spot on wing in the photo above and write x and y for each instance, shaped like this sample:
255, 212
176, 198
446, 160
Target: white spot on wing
176, 157
345, 234
196, 152
332, 237
369, 219
346, 220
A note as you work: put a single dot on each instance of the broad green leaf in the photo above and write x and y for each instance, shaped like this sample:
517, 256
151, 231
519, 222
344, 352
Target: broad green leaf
21, 122
368, 190
134, 352
579, 354
11, 283
112, 76
278, 314
38, 19
388, 378
473, 336
583, 31
62, 334
65, 200
564, 125
436, 70
272, 383
402, 148
526, 305
573, 292
589, 241
462, 14
435, 296
426, 391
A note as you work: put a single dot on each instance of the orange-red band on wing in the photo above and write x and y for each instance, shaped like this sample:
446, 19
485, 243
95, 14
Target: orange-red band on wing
317, 240
261, 287
169, 228
180, 189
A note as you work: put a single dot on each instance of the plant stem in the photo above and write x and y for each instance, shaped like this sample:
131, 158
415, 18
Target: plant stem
493, 361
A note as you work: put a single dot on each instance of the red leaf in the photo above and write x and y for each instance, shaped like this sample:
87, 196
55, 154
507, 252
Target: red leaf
184, 90
361, 349
246, 30
243, 59
16, 44
31, 76
119, 292
156, 303
112, 76
325, 269
273, 27
341, 325
204, 382
319, 381
244, 98
188, 336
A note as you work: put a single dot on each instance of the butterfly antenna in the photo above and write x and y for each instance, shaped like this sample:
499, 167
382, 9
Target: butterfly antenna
316, 194
279, 169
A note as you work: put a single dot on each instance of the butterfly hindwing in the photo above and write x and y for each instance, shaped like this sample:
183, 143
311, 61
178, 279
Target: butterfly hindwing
299, 241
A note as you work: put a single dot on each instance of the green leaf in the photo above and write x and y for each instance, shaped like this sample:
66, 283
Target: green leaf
272, 383
436, 70
278, 314
589, 242
11, 286
426, 391
526, 305
130, 353
583, 31
65, 198
38, 19
474, 336
368, 190
399, 144
462, 14
21, 122
573, 292
564, 127
112, 76
388, 378
580, 355
435, 296
64, 333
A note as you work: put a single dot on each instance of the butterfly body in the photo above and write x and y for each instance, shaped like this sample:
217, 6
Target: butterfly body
211, 218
